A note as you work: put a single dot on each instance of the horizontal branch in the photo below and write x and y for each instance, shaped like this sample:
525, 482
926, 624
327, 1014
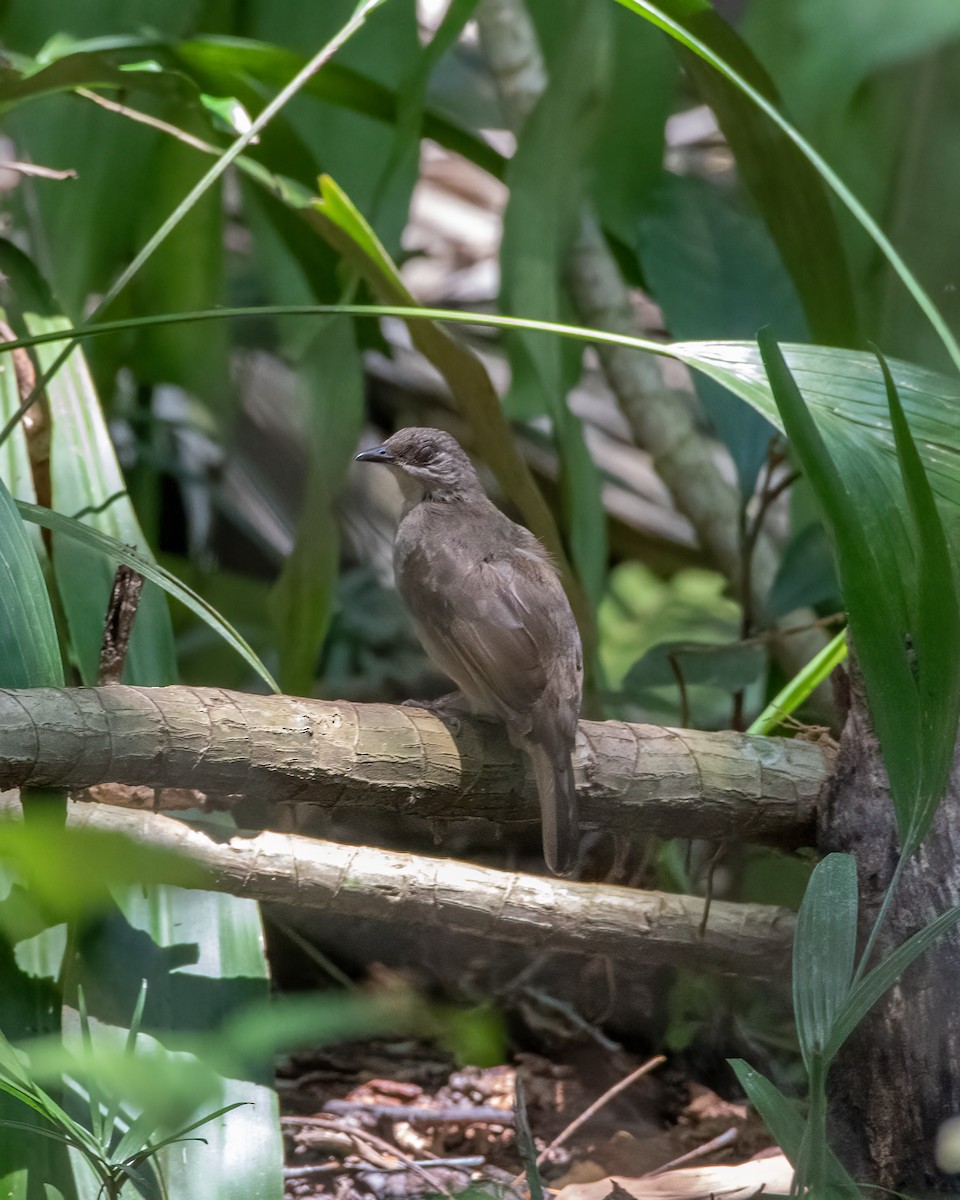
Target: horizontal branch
442, 894
287, 751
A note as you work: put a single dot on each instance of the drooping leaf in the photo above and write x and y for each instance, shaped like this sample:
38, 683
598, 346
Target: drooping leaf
935, 625
93, 539
679, 27
900, 618
782, 1116
338, 85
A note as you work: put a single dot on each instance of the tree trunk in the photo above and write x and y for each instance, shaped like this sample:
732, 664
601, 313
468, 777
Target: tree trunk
898, 1077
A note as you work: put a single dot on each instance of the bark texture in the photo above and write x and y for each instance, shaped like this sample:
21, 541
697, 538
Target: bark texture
306, 755
898, 1077
443, 894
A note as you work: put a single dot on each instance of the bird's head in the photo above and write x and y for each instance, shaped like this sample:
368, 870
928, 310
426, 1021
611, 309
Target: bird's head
428, 463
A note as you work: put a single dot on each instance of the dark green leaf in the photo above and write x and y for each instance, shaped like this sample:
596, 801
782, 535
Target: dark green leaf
714, 271
806, 576
527, 1146
786, 188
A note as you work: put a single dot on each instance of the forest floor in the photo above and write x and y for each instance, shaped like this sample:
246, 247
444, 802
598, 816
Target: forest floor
392, 1119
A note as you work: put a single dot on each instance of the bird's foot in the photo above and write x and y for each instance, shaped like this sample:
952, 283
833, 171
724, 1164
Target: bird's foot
449, 708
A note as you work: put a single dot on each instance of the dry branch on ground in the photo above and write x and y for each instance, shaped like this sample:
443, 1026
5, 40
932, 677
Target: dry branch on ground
550, 914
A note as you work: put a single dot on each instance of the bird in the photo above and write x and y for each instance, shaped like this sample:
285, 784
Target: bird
490, 611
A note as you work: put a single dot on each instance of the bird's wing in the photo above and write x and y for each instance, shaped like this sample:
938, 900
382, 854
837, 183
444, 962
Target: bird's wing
505, 635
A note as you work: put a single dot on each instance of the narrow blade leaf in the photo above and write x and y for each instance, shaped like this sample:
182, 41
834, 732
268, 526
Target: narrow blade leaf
824, 948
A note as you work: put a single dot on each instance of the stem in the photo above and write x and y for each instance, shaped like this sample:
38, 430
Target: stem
881, 915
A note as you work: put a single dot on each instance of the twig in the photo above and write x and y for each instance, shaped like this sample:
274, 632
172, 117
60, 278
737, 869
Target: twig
118, 626
32, 170
727, 1138
134, 114
594, 1108
456, 1114
377, 1143
306, 1172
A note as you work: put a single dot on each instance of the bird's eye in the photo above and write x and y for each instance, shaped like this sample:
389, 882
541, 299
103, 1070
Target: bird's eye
423, 454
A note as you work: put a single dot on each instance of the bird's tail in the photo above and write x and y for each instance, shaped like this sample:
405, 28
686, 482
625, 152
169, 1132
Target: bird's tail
559, 812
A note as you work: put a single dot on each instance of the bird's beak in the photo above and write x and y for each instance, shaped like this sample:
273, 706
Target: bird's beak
378, 454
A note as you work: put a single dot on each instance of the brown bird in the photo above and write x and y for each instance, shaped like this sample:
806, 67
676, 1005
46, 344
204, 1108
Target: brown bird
491, 613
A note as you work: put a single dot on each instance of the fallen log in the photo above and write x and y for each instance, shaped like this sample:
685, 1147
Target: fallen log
548, 914
300, 755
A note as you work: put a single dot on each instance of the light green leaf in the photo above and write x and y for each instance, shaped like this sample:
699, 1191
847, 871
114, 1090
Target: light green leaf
824, 947
883, 976
29, 650
803, 684
85, 475
93, 539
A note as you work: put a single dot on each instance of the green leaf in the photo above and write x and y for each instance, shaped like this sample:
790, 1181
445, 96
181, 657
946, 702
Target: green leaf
708, 23
803, 684
538, 225
192, 358
713, 269
787, 190
29, 650
806, 577
337, 84
824, 947
85, 475
93, 539
782, 1117
883, 976
935, 625
869, 565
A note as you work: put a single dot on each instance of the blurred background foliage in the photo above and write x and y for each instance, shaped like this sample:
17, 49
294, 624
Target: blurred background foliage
235, 438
